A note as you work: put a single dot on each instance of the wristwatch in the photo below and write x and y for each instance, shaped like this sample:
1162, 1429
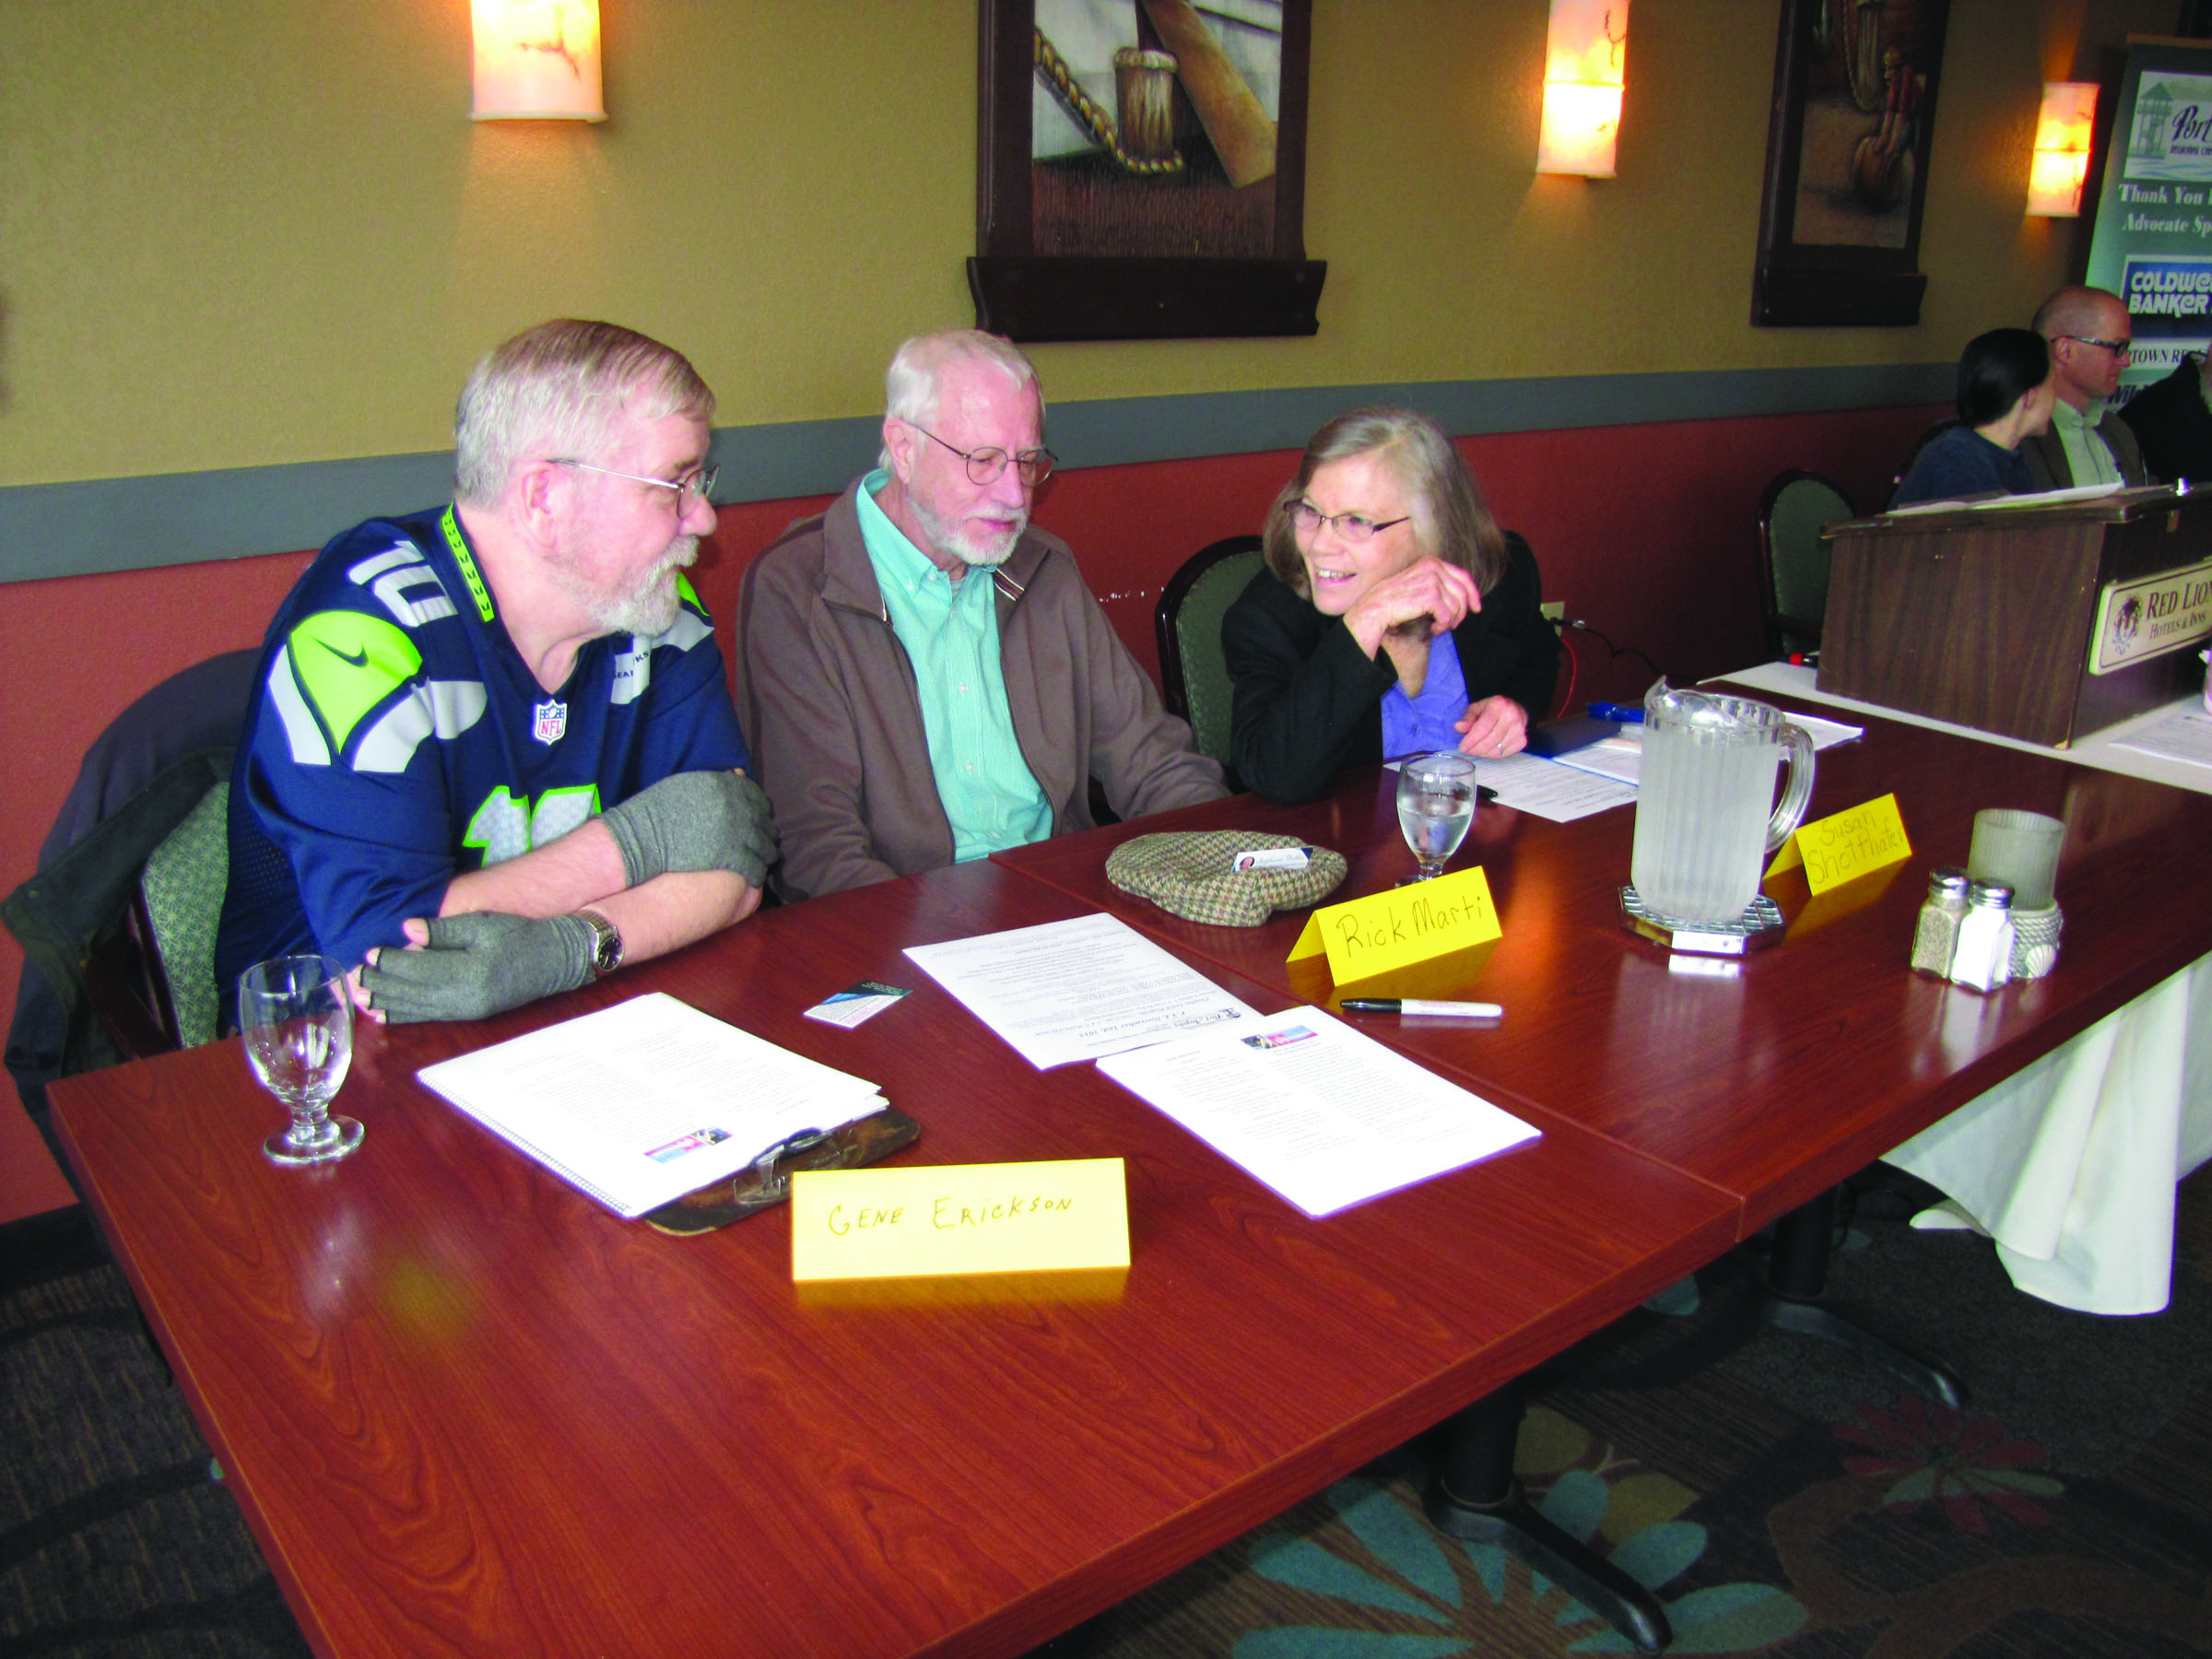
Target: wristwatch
606, 944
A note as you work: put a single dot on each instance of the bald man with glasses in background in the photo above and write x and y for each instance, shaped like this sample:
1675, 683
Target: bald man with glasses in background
2090, 338
926, 676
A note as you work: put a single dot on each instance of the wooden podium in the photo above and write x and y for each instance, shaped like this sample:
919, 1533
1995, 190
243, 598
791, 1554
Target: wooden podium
2042, 622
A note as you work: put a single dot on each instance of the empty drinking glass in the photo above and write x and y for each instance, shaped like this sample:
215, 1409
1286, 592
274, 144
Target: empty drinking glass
297, 1019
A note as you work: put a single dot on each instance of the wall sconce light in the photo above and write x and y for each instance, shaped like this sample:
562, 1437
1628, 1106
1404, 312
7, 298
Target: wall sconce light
537, 59
2062, 149
1585, 62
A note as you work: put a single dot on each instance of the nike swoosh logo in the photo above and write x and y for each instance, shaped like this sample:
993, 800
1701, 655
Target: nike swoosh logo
360, 659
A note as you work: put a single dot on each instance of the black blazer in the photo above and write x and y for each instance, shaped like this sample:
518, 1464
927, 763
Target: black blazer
1308, 701
2170, 422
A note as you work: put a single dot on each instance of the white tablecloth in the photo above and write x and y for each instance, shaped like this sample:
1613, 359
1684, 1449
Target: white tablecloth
2070, 1164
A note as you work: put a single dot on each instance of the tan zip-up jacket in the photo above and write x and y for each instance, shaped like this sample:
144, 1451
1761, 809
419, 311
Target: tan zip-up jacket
826, 695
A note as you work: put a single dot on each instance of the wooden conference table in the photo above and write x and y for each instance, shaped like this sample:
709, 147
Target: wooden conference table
1773, 1078
467, 1411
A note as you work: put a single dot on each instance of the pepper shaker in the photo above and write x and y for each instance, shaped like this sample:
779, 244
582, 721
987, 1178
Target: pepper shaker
1936, 937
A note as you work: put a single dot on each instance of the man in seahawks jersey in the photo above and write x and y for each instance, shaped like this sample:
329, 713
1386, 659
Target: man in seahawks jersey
495, 755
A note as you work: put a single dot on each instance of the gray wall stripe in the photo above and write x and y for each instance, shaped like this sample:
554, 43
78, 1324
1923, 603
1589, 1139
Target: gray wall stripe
183, 518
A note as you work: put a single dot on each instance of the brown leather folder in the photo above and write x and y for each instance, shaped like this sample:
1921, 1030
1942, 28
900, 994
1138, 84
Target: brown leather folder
766, 1182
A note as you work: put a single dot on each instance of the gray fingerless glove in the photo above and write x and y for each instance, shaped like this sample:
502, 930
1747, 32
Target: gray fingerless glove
481, 963
699, 820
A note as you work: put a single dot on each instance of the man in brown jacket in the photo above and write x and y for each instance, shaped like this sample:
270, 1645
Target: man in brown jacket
924, 677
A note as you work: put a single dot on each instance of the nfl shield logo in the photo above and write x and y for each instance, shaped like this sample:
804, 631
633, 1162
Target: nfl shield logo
551, 720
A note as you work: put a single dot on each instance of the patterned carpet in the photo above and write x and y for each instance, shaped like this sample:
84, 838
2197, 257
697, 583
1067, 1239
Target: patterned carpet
1783, 1498
1778, 1495
114, 1541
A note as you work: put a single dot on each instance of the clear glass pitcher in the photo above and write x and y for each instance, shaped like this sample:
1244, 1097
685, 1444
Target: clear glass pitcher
1703, 824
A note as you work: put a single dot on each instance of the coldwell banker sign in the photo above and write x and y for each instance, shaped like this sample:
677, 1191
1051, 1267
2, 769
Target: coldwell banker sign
2153, 243
2170, 302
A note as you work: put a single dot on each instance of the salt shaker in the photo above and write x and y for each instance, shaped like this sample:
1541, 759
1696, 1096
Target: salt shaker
1936, 937
1983, 959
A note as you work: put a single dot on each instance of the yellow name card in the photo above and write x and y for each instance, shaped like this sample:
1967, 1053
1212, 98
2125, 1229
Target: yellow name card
1004, 1218
1390, 929
1846, 845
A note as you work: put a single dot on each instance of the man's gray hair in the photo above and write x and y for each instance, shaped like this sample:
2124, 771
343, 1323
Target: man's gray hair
557, 392
910, 384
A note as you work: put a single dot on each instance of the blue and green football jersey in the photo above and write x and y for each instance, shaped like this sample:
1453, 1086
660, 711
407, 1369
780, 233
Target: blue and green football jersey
399, 741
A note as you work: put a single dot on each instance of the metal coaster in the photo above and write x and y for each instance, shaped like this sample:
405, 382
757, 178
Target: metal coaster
1759, 927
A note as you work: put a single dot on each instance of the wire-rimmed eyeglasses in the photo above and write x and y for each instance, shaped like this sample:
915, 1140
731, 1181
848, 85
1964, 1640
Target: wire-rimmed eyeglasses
984, 465
700, 484
1309, 519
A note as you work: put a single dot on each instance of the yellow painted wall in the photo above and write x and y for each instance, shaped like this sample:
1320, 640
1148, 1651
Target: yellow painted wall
235, 232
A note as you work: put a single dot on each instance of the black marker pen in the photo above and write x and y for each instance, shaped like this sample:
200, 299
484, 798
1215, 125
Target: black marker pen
1413, 1004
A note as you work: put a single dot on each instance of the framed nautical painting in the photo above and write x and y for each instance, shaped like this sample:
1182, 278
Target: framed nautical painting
1141, 169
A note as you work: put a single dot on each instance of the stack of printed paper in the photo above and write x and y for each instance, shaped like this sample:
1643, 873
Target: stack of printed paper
642, 1102
1322, 1114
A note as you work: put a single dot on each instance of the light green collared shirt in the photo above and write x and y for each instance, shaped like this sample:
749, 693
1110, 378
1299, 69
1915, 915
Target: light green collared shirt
2089, 457
951, 633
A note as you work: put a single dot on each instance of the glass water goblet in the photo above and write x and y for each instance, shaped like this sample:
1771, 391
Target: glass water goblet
297, 1019
1435, 803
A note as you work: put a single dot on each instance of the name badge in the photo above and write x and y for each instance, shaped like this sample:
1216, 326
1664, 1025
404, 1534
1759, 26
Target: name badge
958, 1219
1400, 925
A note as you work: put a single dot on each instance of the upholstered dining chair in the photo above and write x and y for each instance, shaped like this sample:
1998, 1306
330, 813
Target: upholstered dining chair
1193, 677
1793, 561
118, 923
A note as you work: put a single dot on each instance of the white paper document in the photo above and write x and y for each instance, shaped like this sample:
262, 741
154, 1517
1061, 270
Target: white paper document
1619, 757
1825, 733
1562, 794
2181, 735
2055, 498
642, 1102
1075, 990
2041, 498
1322, 1114
1622, 756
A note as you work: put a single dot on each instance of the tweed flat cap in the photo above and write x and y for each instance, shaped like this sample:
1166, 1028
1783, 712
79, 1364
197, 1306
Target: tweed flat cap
1190, 874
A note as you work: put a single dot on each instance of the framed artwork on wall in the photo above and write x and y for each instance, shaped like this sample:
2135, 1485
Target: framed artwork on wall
1847, 162
1140, 170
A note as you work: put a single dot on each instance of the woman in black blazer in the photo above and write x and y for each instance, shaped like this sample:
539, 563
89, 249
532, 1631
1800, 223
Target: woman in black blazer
1394, 616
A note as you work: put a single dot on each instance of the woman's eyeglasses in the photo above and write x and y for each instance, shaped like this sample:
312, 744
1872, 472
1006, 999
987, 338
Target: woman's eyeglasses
1308, 519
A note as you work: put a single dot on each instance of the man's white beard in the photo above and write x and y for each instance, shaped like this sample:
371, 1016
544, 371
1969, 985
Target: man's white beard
649, 609
946, 536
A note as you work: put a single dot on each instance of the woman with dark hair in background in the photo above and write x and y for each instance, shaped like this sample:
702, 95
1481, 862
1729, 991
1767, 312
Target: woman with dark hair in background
1394, 616
2005, 395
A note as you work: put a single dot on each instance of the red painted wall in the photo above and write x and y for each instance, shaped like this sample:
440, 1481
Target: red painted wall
1646, 532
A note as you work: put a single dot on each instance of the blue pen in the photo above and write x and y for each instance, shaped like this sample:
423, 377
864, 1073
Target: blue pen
1627, 714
